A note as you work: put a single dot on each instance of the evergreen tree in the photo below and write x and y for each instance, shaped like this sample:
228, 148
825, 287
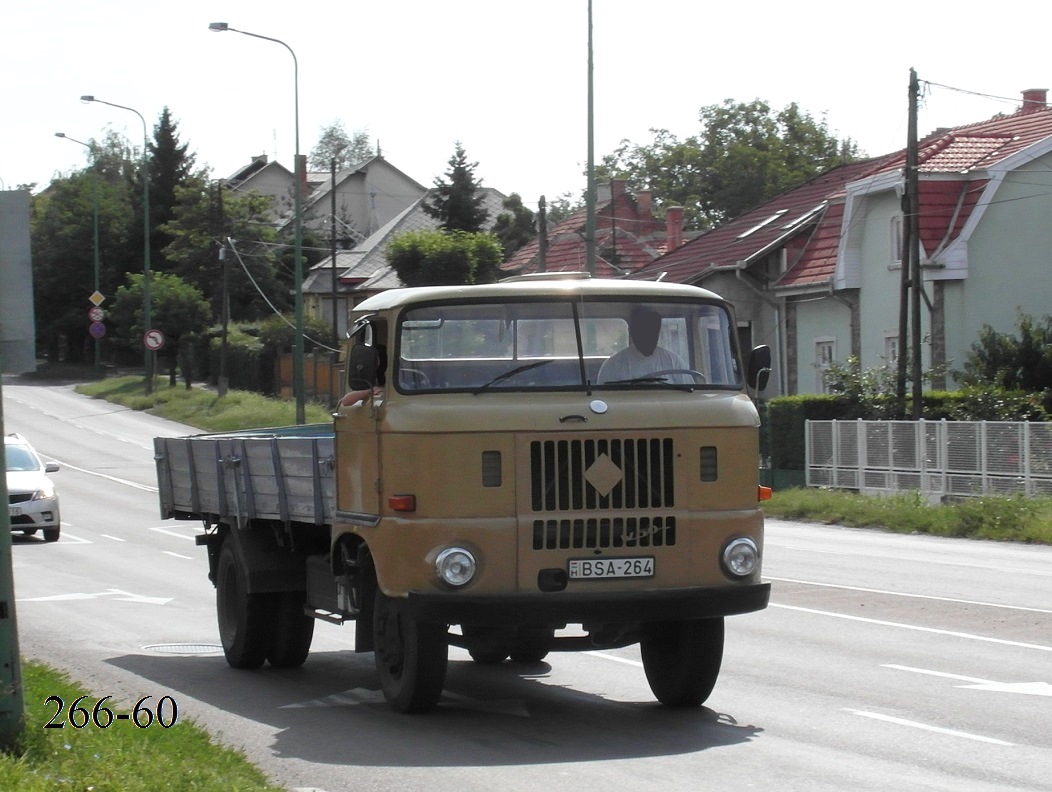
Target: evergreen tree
170, 165
456, 203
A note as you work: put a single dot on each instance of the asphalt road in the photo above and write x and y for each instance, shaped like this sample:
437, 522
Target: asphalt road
884, 661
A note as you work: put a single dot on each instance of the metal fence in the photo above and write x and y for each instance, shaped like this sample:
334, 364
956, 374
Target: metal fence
936, 458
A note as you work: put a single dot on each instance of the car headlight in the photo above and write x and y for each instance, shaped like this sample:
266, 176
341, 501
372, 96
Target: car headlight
45, 493
456, 566
740, 557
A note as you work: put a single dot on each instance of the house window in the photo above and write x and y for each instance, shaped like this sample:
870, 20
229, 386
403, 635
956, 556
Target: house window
891, 351
825, 354
896, 242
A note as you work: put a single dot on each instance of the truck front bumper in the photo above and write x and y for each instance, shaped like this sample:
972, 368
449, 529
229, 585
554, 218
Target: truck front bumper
601, 607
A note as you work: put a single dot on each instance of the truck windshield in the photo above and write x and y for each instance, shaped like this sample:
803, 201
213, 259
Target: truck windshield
564, 345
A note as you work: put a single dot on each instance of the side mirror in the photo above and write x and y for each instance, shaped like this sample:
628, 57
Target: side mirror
758, 370
51, 467
362, 362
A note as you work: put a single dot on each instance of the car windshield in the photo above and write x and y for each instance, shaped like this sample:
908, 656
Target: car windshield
20, 459
566, 345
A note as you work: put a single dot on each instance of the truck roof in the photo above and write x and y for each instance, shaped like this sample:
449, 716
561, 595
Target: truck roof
553, 284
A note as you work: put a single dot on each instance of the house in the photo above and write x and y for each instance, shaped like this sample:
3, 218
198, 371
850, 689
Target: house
363, 270
627, 237
369, 194
816, 272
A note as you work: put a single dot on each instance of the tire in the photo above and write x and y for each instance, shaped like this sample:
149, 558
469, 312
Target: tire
51, 534
246, 621
682, 660
293, 631
411, 656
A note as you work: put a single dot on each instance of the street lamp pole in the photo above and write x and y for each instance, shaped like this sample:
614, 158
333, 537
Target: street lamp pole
95, 227
297, 360
146, 316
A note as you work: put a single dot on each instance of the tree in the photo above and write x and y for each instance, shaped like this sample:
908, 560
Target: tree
206, 216
170, 166
514, 227
456, 203
335, 143
436, 258
1022, 362
62, 239
177, 308
744, 155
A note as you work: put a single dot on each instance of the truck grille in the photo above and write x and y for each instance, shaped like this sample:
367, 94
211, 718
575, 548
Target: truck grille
590, 474
604, 532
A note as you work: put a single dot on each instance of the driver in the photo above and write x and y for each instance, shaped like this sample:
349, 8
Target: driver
643, 356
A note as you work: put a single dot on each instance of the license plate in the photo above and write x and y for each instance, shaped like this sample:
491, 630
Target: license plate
604, 568
14, 511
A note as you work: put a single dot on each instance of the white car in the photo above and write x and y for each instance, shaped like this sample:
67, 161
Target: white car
31, 494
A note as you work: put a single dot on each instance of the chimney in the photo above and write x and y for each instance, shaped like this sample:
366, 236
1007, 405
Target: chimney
673, 227
645, 202
1034, 99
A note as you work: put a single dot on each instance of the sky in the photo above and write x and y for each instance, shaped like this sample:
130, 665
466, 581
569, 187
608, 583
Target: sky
508, 80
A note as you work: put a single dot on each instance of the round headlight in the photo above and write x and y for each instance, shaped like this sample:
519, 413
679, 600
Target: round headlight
741, 557
455, 566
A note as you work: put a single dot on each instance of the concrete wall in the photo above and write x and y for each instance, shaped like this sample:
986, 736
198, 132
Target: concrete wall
17, 325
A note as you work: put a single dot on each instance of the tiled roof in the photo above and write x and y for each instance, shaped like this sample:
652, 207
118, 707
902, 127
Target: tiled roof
787, 216
365, 267
627, 238
953, 166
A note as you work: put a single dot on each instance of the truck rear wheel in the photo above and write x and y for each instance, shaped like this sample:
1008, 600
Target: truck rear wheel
411, 656
293, 631
682, 660
246, 623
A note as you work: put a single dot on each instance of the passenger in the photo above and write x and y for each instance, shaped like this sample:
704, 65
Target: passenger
643, 356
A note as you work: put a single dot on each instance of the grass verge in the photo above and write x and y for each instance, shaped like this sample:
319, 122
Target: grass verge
203, 408
1006, 518
121, 757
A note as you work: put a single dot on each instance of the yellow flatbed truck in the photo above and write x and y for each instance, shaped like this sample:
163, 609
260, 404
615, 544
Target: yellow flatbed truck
498, 487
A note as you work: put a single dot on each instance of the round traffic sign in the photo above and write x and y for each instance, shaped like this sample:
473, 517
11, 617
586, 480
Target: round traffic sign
153, 340
96, 314
97, 329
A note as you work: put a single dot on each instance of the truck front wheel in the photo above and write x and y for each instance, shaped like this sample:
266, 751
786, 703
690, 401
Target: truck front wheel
682, 660
411, 656
246, 623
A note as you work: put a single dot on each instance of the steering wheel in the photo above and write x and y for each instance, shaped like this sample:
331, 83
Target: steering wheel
698, 376
419, 378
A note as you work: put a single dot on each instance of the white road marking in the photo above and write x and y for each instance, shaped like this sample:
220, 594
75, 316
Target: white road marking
178, 555
114, 538
933, 630
616, 659
176, 534
127, 483
913, 596
927, 727
1029, 688
123, 596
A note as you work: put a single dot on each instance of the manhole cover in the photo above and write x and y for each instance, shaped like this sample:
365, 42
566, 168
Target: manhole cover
184, 649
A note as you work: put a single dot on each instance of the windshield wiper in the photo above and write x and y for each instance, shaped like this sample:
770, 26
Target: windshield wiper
687, 386
512, 373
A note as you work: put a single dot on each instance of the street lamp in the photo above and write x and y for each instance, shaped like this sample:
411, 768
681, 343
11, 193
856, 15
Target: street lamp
95, 225
147, 319
297, 354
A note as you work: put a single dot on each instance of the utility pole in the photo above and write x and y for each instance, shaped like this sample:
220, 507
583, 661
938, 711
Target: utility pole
223, 381
909, 274
589, 199
913, 188
12, 704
